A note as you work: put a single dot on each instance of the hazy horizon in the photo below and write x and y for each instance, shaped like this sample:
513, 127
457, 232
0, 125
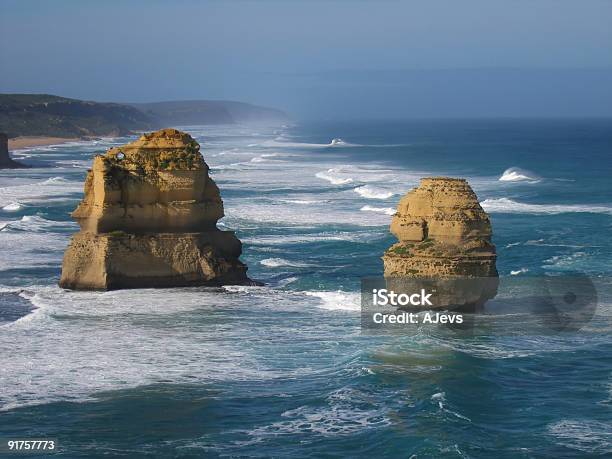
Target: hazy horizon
319, 60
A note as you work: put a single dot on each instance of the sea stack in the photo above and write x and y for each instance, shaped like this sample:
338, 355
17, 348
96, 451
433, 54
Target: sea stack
5, 160
148, 219
444, 236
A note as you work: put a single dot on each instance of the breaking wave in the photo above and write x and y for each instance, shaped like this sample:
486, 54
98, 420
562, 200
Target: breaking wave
281, 142
516, 174
337, 301
505, 205
384, 210
279, 262
13, 207
304, 201
331, 175
40, 191
35, 223
371, 192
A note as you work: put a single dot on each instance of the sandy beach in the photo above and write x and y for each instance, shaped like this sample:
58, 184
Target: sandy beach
36, 141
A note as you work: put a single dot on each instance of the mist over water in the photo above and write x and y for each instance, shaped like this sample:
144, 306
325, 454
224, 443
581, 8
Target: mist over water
283, 369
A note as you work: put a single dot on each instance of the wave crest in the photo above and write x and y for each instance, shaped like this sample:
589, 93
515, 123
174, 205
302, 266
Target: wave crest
13, 207
371, 192
516, 174
332, 176
383, 210
279, 262
337, 301
508, 206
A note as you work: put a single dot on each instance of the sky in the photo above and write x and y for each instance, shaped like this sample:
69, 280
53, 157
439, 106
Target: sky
319, 59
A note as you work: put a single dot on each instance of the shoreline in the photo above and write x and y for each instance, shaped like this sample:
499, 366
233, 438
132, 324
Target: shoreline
37, 141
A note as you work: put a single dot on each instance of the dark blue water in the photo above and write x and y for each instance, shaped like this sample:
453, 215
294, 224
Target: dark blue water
284, 370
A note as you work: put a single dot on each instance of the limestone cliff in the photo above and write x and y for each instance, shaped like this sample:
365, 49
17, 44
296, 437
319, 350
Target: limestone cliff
443, 234
5, 160
148, 219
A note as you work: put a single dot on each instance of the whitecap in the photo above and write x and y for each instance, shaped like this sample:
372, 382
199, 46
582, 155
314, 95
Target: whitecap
279, 262
332, 176
518, 271
36, 223
559, 261
516, 174
505, 205
304, 201
337, 301
335, 143
12, 207
39, 191
350, 236
372, 192
383, 210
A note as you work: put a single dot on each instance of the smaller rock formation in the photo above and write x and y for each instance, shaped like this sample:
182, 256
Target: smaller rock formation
445, 238
5, 160
148, 219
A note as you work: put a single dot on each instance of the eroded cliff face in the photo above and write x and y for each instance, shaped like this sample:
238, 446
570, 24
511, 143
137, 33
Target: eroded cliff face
5, 160
443, 234
148, 219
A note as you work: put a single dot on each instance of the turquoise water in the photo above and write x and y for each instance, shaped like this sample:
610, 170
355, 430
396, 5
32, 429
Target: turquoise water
284, 370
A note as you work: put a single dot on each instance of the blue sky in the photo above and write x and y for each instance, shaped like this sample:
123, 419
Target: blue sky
319, 59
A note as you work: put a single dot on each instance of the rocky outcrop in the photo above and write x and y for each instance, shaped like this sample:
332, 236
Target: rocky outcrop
5, 160
444, 235
148, 219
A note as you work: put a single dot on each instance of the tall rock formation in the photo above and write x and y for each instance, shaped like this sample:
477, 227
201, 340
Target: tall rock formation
5, 160
445, 236
148, 219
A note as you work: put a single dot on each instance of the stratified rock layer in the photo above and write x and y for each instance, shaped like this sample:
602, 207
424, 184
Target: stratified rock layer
148, 219
443, 234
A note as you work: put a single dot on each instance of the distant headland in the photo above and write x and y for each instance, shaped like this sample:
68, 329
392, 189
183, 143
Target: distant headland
44, 118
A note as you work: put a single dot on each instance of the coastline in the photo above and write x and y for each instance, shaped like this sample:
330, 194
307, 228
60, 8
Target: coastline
37, 141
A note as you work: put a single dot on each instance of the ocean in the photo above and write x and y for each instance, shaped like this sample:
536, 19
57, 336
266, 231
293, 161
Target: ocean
284, 370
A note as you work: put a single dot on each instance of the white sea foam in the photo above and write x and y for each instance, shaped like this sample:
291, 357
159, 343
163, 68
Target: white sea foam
246, 213
584, 435
280, 262
505, 205
99, 343
383, 210
12, 207
27, 249
562, 261
516, 174
372, 192
288, 239
304, 201
337, 301
36, 223
282, 142
332, 176
518, 271
345, 411
40, 191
